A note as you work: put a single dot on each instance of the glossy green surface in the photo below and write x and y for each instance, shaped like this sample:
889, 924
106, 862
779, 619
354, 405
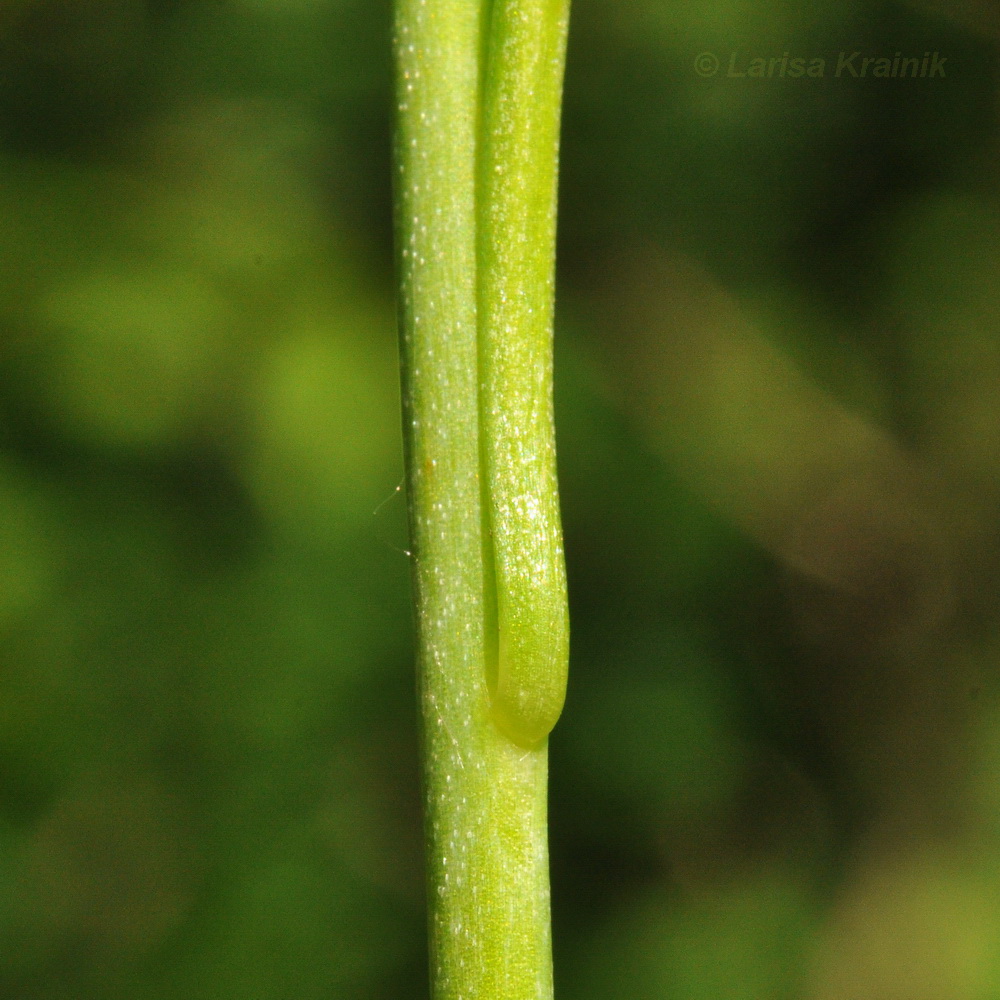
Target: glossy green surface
516, 260
476, 159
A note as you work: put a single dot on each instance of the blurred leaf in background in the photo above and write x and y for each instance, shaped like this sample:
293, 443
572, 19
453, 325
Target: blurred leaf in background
776, 390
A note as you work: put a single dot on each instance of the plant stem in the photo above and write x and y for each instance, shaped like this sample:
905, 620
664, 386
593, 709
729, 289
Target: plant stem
478, 89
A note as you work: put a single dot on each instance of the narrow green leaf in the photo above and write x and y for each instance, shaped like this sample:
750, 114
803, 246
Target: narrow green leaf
516, 251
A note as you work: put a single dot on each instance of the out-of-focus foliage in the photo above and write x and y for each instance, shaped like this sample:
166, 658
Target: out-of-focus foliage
777, 378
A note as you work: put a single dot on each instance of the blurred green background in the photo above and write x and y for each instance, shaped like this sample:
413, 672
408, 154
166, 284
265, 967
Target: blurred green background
778, 361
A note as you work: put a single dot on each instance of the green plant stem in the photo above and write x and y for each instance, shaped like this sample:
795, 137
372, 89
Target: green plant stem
478, 90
